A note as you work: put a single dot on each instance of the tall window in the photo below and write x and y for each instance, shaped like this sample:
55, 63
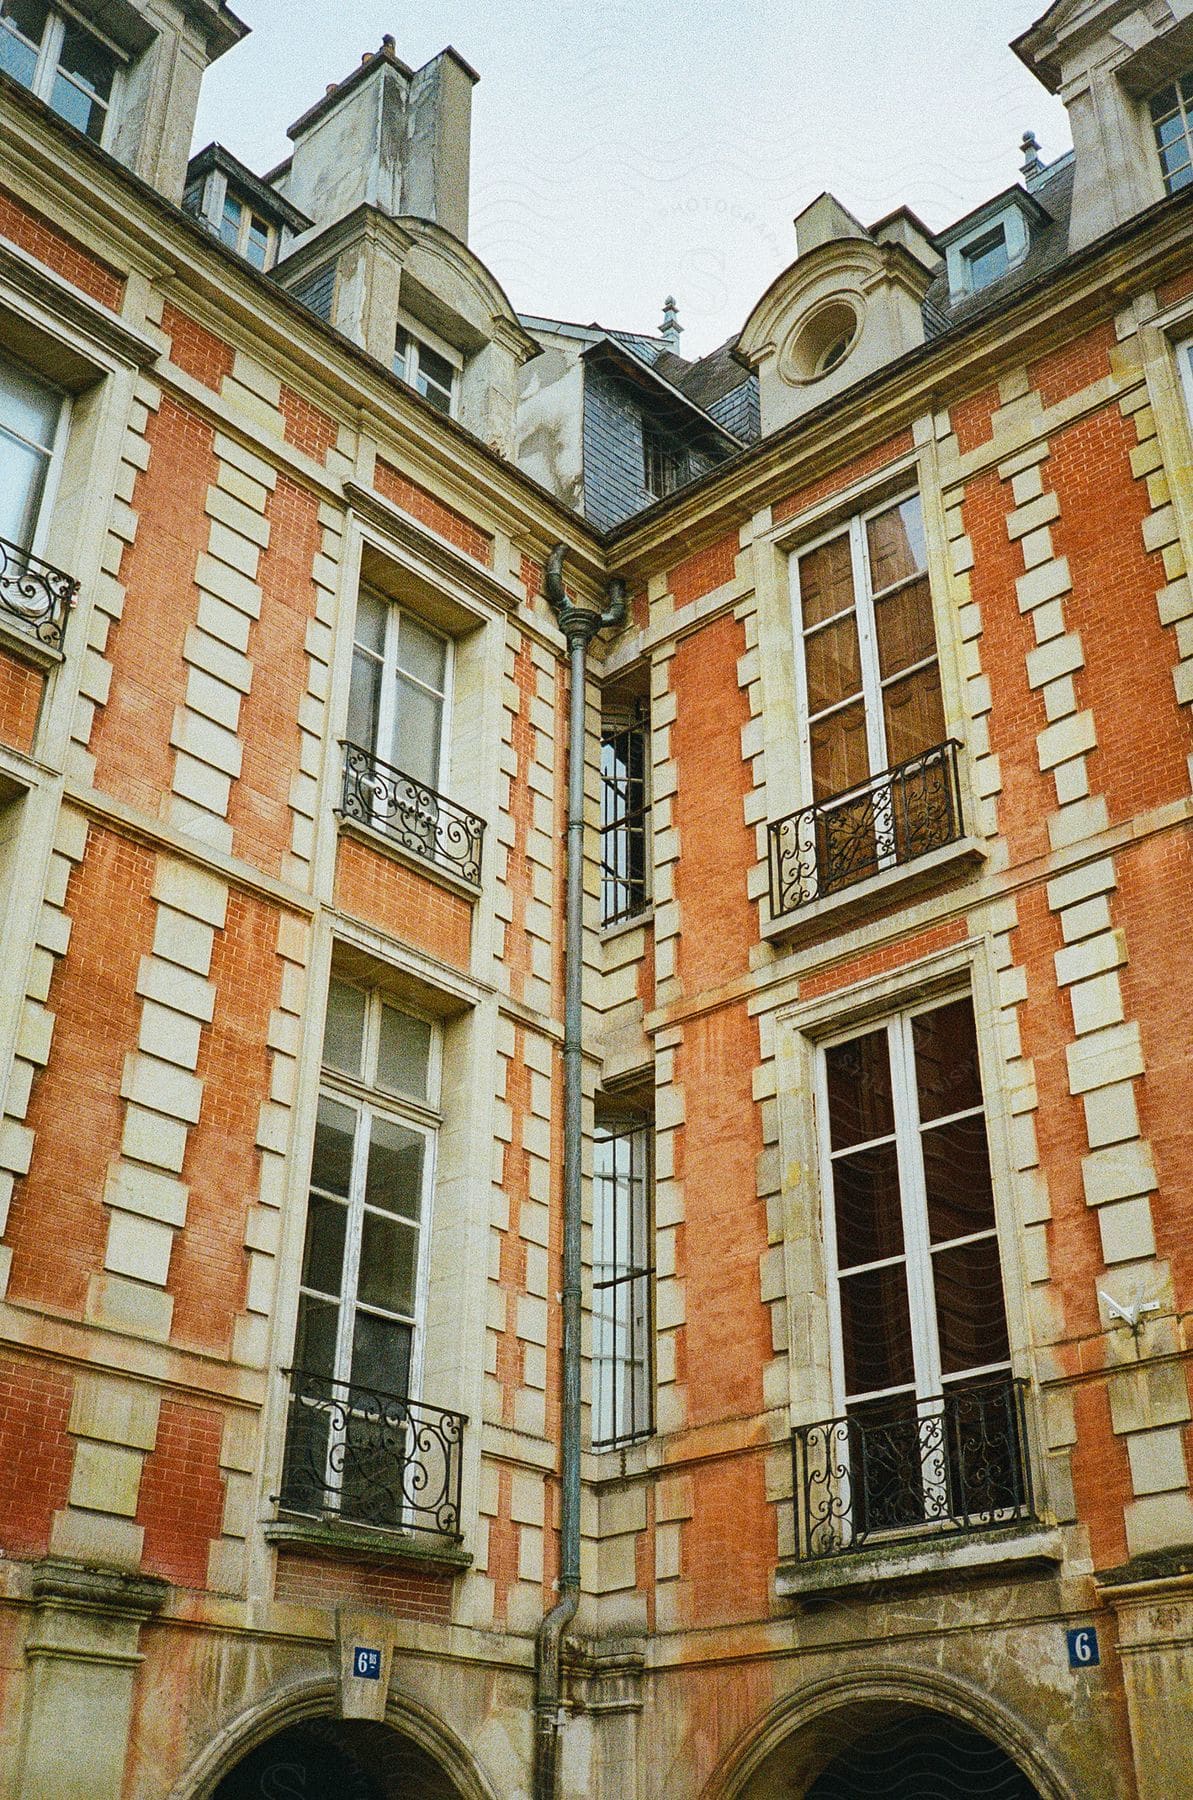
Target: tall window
917, 1318
30, 426
871, 696
425, 370
398, 697
363, 1270
64, 63
1172, 111
622, 1271
625, 811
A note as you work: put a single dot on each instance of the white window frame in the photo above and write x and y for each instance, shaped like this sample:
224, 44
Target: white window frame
1184, 355
928, 1381
46, 67
616, 832
609, 1370
247, 216
1185, 114
863, 606
418, 336
387, 711
57, 453
368, 1101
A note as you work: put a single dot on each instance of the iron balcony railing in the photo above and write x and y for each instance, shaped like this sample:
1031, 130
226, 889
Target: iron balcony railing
894, 818
35, 593
363, 1457
894, 1470
411, 814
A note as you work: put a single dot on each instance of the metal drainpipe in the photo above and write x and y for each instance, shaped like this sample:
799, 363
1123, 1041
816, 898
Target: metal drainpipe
579, 624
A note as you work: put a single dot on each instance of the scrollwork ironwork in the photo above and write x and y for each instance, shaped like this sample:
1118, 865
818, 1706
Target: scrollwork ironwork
365, 1457
35, 593
890, 1471
413, 815
898, 816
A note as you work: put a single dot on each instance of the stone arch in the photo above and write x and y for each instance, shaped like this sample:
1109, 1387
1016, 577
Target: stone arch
314, 1703
804, 1731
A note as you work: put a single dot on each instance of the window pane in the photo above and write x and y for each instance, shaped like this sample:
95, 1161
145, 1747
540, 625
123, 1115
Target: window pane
419, 723
388, 1263
826, 581
1164, 102
331, 1166
906, 633
257, 244
22, 483
87, 60
344, 1031
323, 1256
440, 398
833, 662
28, 18
895, 541
403, 1054
1169, 130
77, 106
29, 409
866, 1194
840, 752
230, 222
971, 1321
421, 653
364, 700
371, 615
395, 1173
315, 1339
957, 1178
860, 1104
913, 713
876, 1329
381, 1354
434, 367
946, 1060
401, 354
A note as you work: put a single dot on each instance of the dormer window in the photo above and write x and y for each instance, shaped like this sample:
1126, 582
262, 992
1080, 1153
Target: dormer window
1170, 110
62, 62
987, 259
426, 370
242, 231
662, 462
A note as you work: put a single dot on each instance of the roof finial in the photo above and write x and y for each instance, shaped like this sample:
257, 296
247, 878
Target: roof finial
1032, 165
670, 328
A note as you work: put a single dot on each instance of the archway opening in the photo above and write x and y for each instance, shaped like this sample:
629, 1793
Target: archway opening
337, 1759
888, 1749
922, 1755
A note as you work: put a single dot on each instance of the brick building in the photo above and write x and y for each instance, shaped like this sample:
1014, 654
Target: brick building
888, 1166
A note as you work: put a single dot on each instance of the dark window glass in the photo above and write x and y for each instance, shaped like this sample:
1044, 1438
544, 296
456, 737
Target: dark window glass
860, 1102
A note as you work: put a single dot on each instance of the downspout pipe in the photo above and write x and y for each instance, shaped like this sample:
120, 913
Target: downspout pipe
579, 623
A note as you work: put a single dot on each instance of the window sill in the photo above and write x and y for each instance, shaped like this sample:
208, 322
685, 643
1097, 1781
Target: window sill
1014, 1550
875, 894
22, 643
422, 865
634, 922
375, 1543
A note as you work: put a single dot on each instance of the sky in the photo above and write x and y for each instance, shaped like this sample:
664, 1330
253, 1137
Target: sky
623, 150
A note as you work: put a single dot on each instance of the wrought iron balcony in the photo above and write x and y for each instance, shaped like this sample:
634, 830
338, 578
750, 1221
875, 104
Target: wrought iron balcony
892, 819
895, 1470
421, 821
361, 1457
35, 593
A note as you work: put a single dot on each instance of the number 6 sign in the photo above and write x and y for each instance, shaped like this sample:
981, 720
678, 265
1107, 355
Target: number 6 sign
366, 1663
1083, 1648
